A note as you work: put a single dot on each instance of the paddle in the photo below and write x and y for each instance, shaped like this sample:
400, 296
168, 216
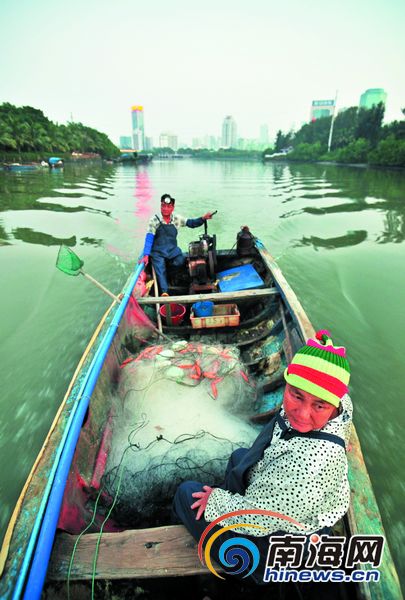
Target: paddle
69, 263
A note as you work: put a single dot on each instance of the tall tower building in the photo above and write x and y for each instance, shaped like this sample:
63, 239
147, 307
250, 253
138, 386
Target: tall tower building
372, 97
138, 134
229, 134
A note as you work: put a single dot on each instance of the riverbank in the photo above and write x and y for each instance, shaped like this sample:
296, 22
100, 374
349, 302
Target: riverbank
334, 163
37, 157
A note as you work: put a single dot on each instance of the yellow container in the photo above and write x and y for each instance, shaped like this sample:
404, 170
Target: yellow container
224, 315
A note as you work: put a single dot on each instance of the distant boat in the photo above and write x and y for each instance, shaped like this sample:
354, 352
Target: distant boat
55, 162
131, 158
21, 167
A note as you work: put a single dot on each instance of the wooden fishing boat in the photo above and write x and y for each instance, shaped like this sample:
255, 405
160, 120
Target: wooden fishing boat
269, 321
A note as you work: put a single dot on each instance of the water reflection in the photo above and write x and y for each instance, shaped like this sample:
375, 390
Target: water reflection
141, 212
394, 228
25, 234
3, 237
144, 194
375, 190
351, 238
88, 241
35, 191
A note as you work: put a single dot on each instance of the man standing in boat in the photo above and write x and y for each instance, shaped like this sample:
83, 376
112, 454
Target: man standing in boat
161, 240
296, 468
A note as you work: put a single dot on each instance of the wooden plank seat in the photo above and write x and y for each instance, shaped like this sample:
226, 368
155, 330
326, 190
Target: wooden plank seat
133, 554
215, 297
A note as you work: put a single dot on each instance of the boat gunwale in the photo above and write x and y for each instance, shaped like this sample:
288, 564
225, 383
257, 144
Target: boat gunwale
45, 459
362, 507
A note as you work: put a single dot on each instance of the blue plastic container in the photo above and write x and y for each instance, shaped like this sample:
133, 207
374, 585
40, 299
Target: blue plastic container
203, 309
244, 277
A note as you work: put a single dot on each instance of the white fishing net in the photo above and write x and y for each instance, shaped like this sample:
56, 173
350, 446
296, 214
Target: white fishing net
182, 409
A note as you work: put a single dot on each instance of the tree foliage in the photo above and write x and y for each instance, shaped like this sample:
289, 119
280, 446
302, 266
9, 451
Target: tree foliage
369, 122
358, 137
308, 152
27, 129
355, 152
389, 152
283, 140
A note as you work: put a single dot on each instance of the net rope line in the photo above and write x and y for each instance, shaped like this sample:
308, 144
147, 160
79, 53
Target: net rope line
119, 470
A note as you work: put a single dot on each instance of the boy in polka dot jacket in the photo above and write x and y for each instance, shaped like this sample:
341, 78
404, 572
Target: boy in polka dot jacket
297, 466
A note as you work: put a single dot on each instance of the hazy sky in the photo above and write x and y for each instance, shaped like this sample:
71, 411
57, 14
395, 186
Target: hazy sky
192, 63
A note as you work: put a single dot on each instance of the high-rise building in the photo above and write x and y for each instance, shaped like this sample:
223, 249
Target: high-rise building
148, 143
138, 135
322, 108
168, 140
125, 142
229, 134
372, 97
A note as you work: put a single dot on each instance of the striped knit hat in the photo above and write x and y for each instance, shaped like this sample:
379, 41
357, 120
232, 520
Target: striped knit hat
320, 368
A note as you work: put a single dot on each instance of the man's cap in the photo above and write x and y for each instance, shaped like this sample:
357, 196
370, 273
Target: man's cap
167, 199
320, 368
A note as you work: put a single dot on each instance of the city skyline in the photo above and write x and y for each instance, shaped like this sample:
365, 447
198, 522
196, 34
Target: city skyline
191, 65
230, 139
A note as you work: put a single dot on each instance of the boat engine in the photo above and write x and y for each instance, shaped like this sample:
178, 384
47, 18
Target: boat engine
202, 262
245, 242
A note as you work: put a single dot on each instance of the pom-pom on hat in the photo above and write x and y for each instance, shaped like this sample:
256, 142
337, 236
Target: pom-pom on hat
320, 368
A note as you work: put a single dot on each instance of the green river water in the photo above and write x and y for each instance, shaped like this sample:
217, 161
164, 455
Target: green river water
337, 233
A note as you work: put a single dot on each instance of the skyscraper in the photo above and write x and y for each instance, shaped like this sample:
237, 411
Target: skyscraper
229, 135
372, 97
148, 143
138, 135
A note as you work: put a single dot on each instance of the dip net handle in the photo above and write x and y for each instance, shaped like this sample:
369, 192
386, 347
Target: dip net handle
100, 285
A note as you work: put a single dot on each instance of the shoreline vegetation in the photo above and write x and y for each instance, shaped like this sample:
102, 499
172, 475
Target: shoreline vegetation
27, 134
359, 138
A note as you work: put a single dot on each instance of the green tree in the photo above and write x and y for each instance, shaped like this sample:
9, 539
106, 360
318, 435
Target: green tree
283, 140
389, 152
28, 129
344, 128
369, 123
316, 131
307, 152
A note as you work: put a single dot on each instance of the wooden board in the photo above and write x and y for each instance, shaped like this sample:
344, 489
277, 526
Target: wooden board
132, 554
215, 297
